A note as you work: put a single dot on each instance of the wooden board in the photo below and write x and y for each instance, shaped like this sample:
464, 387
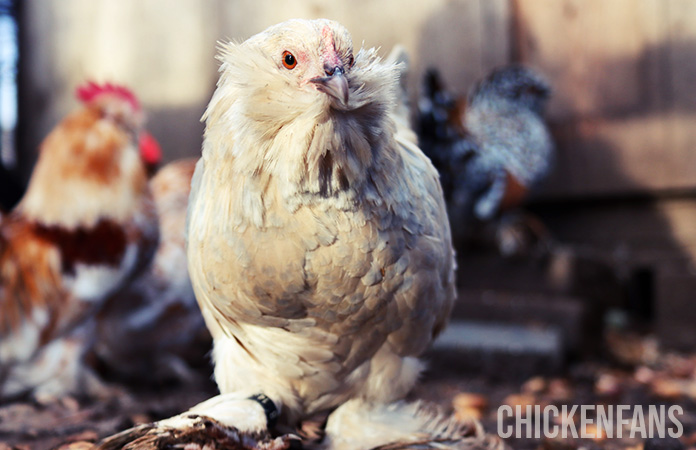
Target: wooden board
597, 53
623, 73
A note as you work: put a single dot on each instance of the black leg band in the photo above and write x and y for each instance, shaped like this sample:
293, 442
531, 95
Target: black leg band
269, 408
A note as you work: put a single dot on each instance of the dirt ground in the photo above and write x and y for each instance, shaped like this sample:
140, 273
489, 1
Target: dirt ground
632, 372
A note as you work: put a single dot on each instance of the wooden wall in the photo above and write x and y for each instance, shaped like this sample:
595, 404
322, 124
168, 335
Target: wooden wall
623, 70
624, 73
164, 50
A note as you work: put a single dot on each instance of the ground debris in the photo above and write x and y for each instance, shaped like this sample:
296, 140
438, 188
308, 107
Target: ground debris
75, 425
636, 372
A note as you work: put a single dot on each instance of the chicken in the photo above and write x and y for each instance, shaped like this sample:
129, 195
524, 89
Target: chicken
153, 331
504, 118
491, 149
85, 226
318, 243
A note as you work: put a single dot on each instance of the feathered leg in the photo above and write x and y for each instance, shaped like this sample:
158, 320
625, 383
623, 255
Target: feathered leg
224, 422
362, 425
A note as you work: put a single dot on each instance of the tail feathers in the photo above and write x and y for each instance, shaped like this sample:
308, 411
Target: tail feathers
398, 426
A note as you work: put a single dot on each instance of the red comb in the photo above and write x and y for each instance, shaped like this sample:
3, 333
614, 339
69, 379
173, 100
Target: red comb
90, 91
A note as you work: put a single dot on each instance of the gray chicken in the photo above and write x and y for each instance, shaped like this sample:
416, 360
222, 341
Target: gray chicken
491, 149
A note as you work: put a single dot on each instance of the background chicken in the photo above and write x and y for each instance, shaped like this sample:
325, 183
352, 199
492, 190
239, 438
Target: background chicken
153, 331
491, 149
85, 226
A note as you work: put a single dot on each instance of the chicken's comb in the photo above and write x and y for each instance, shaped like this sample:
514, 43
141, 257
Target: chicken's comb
90, 91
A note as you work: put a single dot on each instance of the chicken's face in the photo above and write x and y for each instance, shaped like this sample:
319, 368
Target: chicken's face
313, 57
120, 105
299, 68
294, 102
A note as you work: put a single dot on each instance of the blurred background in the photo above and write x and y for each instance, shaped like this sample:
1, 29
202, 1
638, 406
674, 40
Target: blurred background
619, 208
620, 198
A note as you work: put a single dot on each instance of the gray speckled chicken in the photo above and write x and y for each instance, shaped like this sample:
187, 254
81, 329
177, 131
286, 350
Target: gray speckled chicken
504, 119
493, 148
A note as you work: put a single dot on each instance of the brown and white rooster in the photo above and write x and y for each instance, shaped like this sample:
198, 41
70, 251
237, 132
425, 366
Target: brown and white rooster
84, 228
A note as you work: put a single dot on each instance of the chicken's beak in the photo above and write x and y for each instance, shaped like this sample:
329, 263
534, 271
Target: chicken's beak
335, 84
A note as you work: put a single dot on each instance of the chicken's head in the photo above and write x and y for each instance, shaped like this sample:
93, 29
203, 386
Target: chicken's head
120, 103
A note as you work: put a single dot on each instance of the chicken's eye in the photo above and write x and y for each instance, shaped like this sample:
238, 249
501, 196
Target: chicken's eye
289, 60
351, 61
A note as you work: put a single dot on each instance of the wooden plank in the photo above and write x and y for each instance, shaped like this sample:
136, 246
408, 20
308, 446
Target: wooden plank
569, 314
681, 48
620, 156
623, 73
681, 23
496, 19
465, 40
593, 50
637, 222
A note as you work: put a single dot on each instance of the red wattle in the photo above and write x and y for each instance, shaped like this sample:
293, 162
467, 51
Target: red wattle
150, 150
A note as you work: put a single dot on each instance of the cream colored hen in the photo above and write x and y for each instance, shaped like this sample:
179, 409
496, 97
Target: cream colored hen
318, 243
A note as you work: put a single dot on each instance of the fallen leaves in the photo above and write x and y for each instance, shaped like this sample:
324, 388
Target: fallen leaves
469, 405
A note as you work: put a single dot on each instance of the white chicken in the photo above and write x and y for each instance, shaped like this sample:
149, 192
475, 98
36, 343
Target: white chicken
318, 245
